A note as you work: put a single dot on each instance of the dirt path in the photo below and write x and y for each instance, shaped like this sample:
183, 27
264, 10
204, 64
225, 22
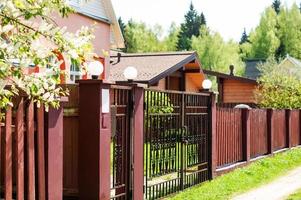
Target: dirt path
276, 190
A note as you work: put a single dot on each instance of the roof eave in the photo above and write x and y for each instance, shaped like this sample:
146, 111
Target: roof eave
173, 69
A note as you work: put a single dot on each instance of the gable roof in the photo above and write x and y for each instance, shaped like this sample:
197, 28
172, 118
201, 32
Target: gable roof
101, 10
252, 70
294, 61
151, 67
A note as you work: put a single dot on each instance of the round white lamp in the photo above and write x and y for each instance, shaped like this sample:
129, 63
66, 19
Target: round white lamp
130, 73
207, 84
95, 69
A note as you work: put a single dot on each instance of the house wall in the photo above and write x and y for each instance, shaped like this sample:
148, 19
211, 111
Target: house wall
238, 92
160, 86
194, 82
101, 31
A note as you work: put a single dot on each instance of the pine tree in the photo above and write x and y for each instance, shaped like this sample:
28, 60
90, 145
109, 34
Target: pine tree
276, 6
190, 27
244, 37
203, 19
122, 25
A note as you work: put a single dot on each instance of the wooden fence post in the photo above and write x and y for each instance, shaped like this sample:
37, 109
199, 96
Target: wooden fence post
213, 144
246, 134
299, 127
270, 121
94, 141
54, 152
138, 170
288, 125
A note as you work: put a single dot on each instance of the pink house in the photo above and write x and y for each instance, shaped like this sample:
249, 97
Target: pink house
107, 31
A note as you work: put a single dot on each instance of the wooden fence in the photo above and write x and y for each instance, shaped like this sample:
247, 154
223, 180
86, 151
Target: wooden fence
243, 134
27, 137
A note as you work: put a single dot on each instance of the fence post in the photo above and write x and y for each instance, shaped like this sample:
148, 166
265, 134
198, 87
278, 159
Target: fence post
270, 121
213, 150
288, 126
54, 152
246, 134
94, 140
138, 164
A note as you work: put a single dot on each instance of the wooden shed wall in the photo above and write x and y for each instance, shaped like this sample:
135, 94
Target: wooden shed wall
235, 91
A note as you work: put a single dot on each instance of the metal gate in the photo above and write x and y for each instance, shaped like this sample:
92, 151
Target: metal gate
176, 146
121, 112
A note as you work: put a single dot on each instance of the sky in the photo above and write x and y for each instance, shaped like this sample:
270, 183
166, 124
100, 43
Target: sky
228, 17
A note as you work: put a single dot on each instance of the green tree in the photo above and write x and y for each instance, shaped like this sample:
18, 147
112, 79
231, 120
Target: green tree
244, 38
279, 87
215, 53
171, 40
289, 32
263, 40
190, 27
122, 25
276, 6
141, 38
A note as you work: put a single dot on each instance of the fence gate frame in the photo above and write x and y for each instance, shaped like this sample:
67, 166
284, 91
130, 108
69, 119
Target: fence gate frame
177, 141
121, 104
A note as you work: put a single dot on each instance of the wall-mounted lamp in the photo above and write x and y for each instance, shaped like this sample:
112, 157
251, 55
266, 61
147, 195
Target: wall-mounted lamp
207, 84
130, 73
95, 69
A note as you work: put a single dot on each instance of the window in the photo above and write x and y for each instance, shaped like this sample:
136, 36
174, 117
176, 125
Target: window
75, 73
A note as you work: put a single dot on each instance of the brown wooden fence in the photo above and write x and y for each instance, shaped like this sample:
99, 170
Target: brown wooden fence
25, 152
256, 133
229, 136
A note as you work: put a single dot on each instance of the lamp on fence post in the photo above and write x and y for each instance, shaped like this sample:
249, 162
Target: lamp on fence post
206, 84
136, 123
130, 73
95, 69
94, 137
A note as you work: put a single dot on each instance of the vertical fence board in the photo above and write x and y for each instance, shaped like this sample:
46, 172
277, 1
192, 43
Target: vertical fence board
279, 124
295, 130
8, 155
30, 152
41, 153
259, 132
19, 149
229, 136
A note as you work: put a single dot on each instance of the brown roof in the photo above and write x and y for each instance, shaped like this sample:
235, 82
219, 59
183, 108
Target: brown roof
227, 76
151, 67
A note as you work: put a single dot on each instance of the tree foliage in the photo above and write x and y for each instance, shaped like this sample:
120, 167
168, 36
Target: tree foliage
279, 87
190, 27
244, 37
277, 34
29, 36
263, 40
276, 6
216, 54
141, 38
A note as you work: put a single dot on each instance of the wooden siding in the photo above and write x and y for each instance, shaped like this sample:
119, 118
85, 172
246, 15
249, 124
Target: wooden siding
238, 92
93, 8
194, 82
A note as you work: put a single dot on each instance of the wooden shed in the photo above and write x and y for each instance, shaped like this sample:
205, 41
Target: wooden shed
234, 89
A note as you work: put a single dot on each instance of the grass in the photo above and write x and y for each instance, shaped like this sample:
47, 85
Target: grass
244, 179
295, 196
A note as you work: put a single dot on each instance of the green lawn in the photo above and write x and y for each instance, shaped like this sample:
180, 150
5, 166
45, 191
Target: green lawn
295, 196
242, 180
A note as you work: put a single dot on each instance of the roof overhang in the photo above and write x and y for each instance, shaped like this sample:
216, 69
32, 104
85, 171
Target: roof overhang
178, 66
230, 77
